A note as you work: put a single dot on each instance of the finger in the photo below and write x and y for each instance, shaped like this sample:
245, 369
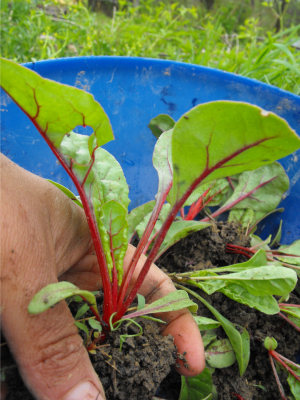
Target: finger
180, 324
50, 354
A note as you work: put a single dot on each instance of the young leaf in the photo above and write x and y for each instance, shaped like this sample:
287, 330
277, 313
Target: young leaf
55, 109
54, 293
82, 310
221, 143
206, 323
208, 337
178, 230
292, 249
113, 231
197, 388
67, 192
266, 304
240, 343
160, 124
294, 385
83, 327
171, 302
136, 216
259, 259
277, 237
220, 354
140, 229
266, 186
242, 216
95, 324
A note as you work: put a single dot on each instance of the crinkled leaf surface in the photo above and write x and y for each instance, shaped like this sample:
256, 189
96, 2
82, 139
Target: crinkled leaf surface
67, 192
271, 182
160, 124
206, 323
171, 302
54, 108
220, 354
55, 292
223, 138
137, 215
197, 388
113, 228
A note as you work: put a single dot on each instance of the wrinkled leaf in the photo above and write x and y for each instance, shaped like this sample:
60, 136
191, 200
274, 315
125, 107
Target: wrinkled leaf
55, 108
54, 293
242, 216
206, 323
216, 147
67, 192
220, 354
197, 388
113, 231
136, 216
171, 302
160, 124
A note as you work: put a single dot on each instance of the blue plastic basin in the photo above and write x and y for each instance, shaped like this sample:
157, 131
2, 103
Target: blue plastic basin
134, 90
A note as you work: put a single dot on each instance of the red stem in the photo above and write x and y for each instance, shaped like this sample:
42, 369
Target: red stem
289, 321
288, 305
182, 213
139, 250
277, 377
277, 357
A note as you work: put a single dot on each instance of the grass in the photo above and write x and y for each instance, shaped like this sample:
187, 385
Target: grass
35, 30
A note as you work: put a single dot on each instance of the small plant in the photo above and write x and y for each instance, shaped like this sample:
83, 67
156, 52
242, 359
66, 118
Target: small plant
194, 160
292, 369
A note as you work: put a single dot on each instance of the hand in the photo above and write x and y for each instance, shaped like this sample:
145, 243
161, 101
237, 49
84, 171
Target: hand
45, 239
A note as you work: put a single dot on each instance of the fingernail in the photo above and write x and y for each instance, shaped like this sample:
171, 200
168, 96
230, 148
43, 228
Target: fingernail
84, 391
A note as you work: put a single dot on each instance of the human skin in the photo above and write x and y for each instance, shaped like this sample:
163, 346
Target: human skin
45, 239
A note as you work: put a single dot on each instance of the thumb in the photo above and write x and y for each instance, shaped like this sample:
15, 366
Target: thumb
51, 357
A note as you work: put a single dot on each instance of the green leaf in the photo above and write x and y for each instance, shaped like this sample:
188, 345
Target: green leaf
260, 281
223, 138
258, 243
259, 259
266, 185
197, 388
141, 301
266, 304
82, 310
208, 337
171, 302
83, 327
293, 249
277, 237
67, 192
160, 124
242, 216
95, 324
294, 314
113, 228
206, 323
140, 229
294, 384
270, 343
240, 343
179, 230
54, 293
136, 216
103, 177
220, 354
55, 108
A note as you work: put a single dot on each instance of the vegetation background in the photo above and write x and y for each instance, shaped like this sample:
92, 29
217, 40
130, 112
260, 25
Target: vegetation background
255, 38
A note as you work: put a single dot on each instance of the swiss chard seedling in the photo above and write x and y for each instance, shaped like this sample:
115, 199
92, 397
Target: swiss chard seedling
206, 145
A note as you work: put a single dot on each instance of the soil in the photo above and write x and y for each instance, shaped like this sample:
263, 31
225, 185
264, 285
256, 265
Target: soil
206, 249
154, 354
